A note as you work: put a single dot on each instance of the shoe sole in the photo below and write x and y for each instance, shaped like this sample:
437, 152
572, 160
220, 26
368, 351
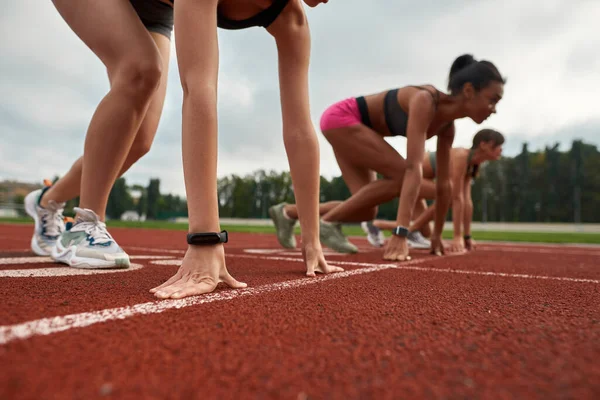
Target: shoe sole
68, 256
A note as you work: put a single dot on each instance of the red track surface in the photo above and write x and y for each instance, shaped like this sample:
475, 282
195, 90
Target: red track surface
500, 322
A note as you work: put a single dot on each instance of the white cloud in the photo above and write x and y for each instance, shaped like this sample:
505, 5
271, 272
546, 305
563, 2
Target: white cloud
51, 82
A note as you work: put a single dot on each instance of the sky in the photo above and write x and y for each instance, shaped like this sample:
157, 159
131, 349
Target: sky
547, 49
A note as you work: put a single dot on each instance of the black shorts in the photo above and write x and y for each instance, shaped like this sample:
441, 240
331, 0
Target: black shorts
155, 15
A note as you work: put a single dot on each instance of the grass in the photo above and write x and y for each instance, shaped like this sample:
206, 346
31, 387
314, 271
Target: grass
353, 230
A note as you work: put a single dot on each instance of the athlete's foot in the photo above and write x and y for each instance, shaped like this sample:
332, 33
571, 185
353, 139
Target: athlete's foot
48, 220
284, 226
87, 244
331, 236
374, 235
396, 249
315, 261
416, 240
202, 269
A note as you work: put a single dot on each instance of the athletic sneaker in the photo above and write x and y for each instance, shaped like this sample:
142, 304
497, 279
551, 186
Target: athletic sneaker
416, 240
374, 235
89, 245
48, 222
283, 226
331, 236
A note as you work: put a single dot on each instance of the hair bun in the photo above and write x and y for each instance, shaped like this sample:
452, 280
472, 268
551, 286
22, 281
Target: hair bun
461, 62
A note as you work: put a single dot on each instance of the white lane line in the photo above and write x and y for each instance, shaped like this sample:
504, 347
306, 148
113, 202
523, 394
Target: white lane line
43, 260
409, 266
62, 271
25, 260
47, 326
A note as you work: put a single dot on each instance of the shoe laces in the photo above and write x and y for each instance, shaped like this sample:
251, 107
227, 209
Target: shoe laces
52, 219
87, 221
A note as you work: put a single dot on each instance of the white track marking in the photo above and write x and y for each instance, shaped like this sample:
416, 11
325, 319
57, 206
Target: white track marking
149, 257
47, 326
25, 260
167, 262
410, 267
62, 271
41, 260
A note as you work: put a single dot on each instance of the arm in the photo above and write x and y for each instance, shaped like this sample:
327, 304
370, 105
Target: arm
421, 112
198, 61
301, 145
292, 36
458, 167
423, 219
443, 185
203, 267
468, 214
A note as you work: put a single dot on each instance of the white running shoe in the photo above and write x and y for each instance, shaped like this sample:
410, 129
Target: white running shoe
89, 245
49, 224
374, 235
417, 241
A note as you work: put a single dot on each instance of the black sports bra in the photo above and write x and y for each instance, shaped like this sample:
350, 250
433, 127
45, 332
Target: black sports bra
263, 18
396, 118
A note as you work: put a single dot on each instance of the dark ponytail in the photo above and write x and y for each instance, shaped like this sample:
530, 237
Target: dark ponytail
465, 69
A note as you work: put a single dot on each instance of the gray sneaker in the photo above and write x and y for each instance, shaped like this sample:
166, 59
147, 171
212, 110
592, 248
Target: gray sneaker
331, 236
417, 241
283, 226
89, 245
49, 222
374, 235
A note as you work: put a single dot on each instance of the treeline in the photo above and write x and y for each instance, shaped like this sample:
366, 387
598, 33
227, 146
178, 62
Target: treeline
543, 186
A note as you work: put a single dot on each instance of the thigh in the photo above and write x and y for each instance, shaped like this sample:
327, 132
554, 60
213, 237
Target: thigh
365, 149
110, 28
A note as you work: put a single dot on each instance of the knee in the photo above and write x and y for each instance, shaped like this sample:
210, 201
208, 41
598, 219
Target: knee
139, 77
140, 148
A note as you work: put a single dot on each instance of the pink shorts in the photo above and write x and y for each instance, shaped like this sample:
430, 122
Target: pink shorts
341, 114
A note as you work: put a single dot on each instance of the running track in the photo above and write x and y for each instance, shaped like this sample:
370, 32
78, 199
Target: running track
507, 321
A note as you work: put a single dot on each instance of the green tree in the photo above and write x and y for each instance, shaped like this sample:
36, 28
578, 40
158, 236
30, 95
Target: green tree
153, 198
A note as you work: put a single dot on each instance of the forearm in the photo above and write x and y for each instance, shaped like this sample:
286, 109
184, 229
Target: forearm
409, 194
442, 203
199, 143
302, 149
457, 216
423, 219
467, 218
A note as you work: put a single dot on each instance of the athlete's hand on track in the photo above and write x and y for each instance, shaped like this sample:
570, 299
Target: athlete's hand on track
202, 269
396, 249
437, 246
315, 260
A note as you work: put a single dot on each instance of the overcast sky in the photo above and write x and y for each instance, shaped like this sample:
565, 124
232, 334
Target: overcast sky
50, 83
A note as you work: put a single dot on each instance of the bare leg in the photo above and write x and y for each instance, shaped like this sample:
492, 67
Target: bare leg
114, 32
69, 186
292, 211
361, 152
